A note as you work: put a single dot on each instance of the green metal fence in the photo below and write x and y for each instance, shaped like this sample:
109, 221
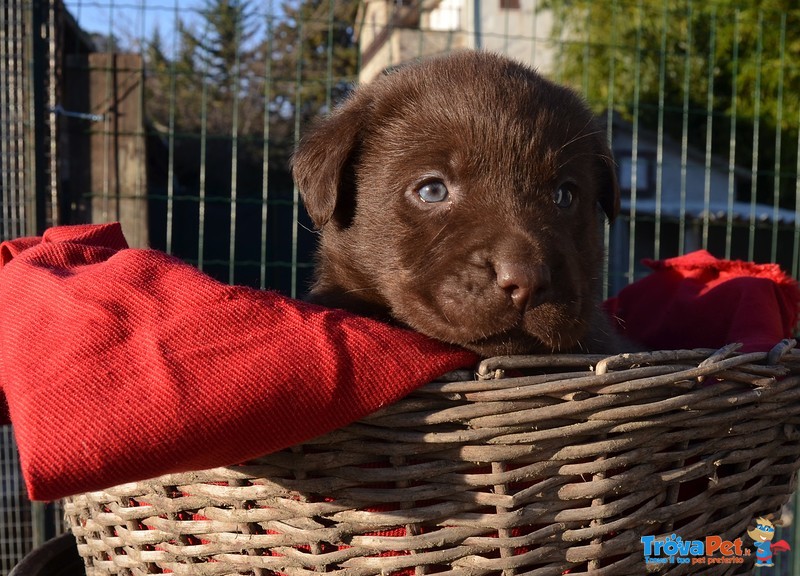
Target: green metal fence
699, 97
178, 117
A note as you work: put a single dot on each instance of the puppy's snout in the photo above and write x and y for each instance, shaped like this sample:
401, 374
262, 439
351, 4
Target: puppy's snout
525, 284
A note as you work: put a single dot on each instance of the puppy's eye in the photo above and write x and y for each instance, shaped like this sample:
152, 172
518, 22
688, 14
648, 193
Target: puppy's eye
433, 192
563, 196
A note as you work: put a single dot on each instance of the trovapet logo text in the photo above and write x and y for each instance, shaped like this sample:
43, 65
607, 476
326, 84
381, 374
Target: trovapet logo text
711, 550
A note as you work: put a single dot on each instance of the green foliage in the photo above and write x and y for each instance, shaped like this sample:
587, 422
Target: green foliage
314, 47
693, 65
310, 62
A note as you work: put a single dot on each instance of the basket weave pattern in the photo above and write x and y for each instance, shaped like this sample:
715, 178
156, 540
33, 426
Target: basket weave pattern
540, 465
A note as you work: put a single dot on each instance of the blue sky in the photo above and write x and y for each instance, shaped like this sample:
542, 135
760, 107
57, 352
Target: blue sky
131, 20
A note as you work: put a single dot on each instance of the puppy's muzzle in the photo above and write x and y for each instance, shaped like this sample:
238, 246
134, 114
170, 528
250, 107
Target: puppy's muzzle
526, 285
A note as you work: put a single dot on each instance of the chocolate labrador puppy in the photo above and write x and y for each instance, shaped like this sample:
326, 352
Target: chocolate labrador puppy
461, 196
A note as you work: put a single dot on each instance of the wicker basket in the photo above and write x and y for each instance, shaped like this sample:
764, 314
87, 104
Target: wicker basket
541, 465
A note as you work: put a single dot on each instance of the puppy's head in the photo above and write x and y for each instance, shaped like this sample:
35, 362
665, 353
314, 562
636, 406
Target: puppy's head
461, 196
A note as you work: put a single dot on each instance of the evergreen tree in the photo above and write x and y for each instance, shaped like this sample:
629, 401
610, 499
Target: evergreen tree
315, 49
222, 46
292, 64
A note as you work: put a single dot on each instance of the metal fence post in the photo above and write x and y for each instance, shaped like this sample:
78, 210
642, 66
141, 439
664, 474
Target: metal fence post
38, 82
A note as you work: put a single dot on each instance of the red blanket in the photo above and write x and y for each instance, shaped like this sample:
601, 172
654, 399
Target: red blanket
119, 364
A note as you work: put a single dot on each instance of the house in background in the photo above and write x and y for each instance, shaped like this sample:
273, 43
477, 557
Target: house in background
678, 199
391, 32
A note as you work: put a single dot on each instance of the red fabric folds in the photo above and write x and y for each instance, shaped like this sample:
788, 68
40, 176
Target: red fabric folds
120, 364
699, 301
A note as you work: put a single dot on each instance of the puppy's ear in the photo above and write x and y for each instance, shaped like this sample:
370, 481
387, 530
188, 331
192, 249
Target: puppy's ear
608, 182
323, 165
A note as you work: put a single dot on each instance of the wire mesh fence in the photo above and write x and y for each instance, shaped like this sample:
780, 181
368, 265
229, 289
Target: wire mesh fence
178, 118
15, 168
697, 98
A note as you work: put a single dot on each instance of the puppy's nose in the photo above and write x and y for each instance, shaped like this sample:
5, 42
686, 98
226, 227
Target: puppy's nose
525, 284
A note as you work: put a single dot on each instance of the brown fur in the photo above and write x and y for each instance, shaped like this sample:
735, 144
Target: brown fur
497, 267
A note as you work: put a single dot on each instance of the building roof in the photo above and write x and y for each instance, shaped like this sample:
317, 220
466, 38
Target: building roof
717, 212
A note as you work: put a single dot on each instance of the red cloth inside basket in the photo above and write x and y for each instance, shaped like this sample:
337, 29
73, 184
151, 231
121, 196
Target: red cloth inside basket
120, 364
699, 301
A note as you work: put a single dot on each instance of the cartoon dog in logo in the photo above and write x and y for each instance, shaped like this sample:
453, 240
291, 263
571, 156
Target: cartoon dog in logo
762, 536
